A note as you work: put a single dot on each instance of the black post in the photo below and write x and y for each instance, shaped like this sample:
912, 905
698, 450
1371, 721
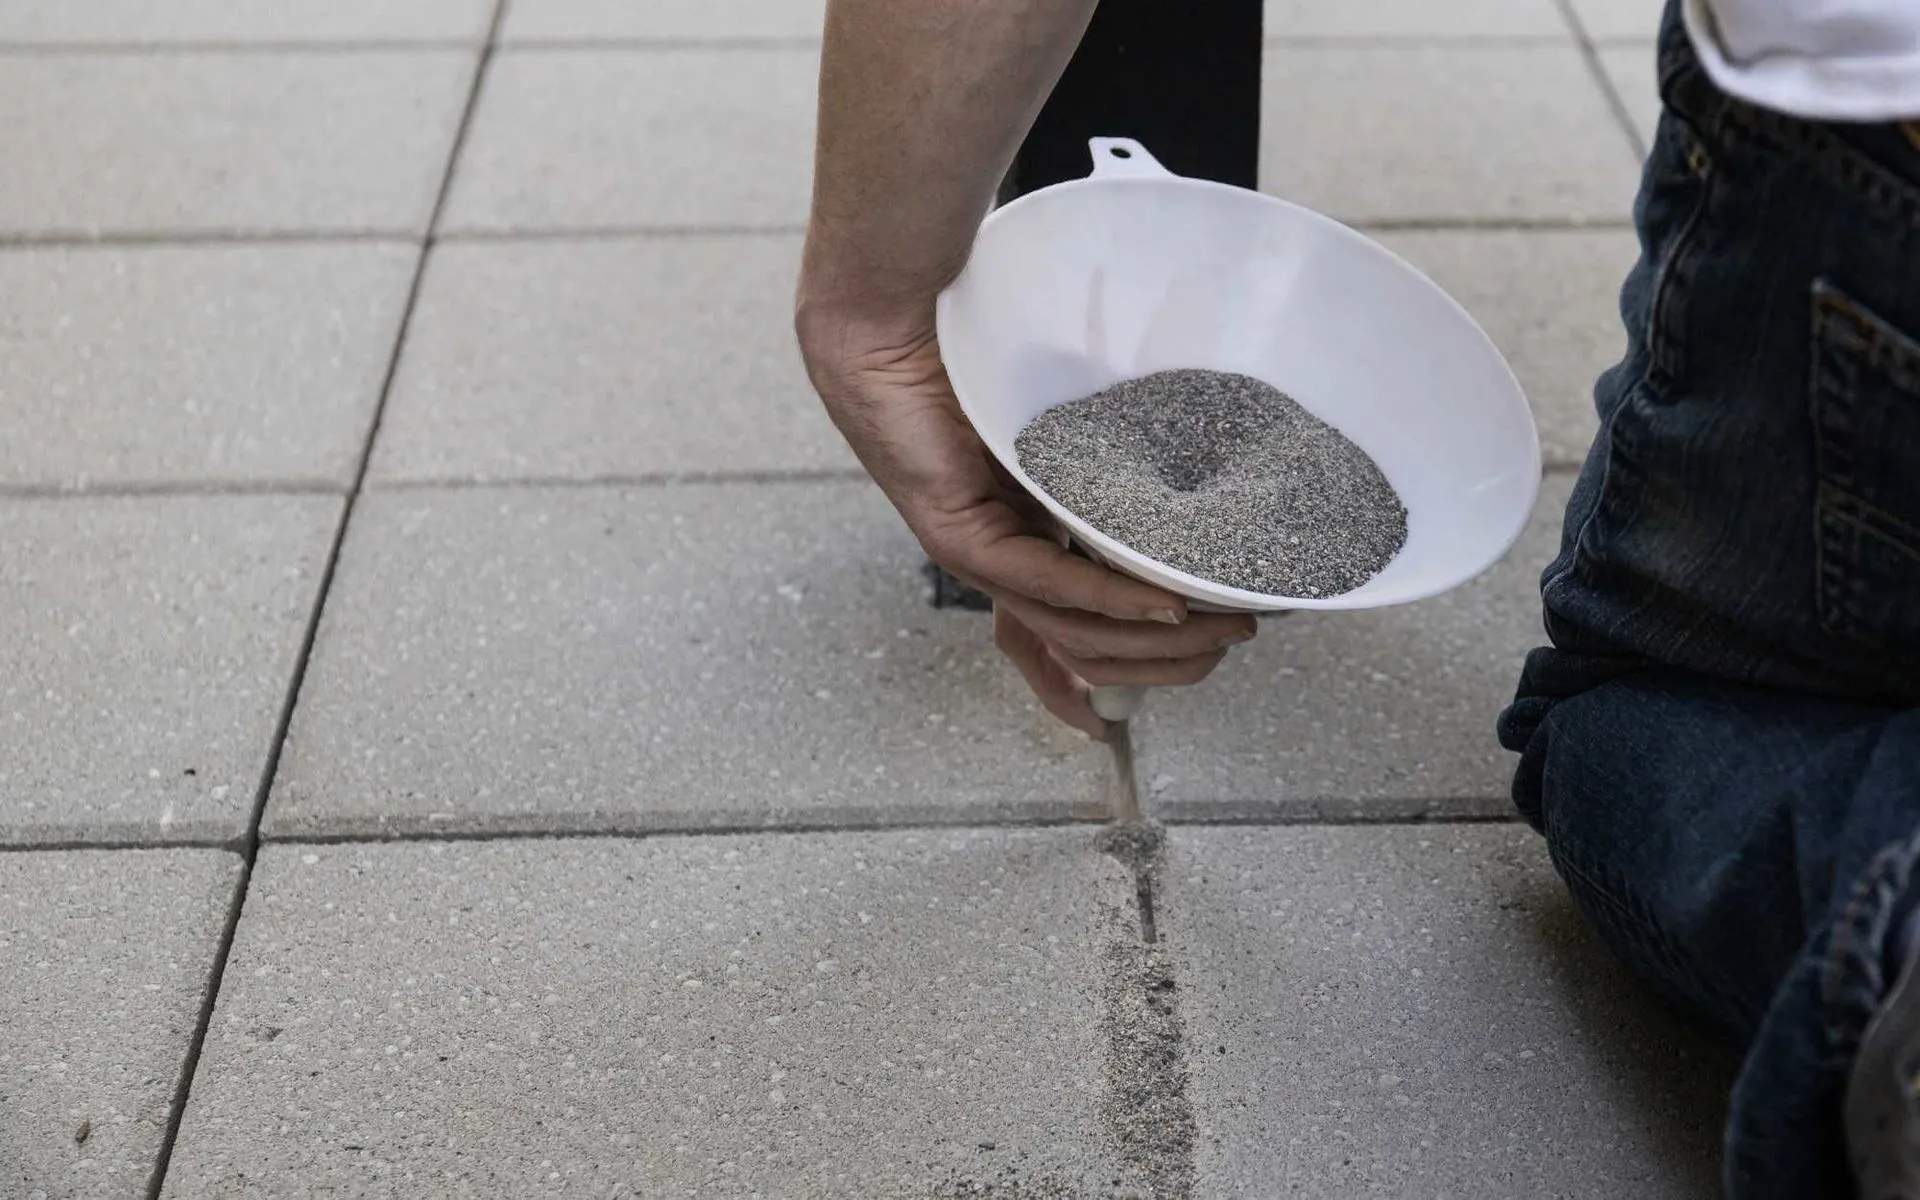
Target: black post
1181, 79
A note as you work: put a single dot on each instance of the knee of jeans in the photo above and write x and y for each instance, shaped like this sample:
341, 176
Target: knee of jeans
1523, 727
1534, 721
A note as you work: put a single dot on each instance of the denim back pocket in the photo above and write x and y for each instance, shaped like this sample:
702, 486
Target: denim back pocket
1866, 417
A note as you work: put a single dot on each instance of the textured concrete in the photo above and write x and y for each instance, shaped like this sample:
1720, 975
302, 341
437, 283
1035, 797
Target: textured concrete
1420, 1012
1550, 301
1382, 713
684, 656
1616, 20
1634, 70
874, 1015
546, 359
585, 139
193, 363
150, 643
118, 22
676, 20
105, 959
214, 141
1396, 132
1462, 19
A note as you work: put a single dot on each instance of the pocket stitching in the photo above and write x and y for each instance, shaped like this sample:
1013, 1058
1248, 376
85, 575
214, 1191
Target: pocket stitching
1664, 346
1843, 518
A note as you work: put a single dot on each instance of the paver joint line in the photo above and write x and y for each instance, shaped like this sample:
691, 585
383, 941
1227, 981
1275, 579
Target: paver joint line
1590, 54
652, 479
140, 488
147, 238
1146, 1103
145, 49
250, 849
960, 821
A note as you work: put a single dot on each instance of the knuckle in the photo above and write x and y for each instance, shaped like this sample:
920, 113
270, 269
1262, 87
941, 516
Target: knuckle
1194, 670
1100, 672
1047, 590
1074, 645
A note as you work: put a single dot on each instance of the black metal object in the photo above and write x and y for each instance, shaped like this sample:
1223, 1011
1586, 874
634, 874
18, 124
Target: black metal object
1181, 79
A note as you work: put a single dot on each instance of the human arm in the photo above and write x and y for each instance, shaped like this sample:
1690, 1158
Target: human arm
922, 106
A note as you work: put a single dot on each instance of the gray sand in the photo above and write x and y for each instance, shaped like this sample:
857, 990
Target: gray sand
1223, 477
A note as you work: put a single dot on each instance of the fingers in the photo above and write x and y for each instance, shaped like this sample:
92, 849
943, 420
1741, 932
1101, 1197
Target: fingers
1058, 690
1022, 564
1084, 635
1145, 672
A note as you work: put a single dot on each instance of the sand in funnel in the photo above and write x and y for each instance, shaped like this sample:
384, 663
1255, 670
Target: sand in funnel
1223, 477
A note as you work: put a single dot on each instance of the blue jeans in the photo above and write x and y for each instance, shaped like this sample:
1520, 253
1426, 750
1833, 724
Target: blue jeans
1722, 746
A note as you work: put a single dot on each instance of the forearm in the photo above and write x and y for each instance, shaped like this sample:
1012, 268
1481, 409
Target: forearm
922, 106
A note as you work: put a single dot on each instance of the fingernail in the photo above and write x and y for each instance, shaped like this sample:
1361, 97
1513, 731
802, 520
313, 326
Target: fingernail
1238, 638
1166, 616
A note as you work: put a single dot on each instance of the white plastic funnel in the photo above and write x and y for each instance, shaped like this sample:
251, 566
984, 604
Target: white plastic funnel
1134, 269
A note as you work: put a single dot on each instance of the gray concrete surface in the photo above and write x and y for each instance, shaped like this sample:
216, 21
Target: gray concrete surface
625, 139
178, 142
1479, 20
666, 20
839, 1015
1619, 20
1379, 714
1403, 132
105, 958
1634, 70
1550, 301
150, 643
691, 656
207, 364
544, 360
1420, 1012
241, 22
532, 640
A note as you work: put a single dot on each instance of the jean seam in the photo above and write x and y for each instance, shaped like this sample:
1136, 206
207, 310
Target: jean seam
1658, 339
1858, 940
1901, 538
1847, 339
1845, 166
1841, 321
1666, 347
1695, 981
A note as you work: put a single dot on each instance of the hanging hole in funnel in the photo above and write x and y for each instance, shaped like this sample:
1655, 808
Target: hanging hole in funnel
1120, 152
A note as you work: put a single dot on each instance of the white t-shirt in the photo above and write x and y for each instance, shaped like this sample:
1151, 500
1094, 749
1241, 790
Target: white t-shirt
1832, 60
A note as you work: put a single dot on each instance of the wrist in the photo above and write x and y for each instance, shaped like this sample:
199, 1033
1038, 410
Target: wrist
842, 331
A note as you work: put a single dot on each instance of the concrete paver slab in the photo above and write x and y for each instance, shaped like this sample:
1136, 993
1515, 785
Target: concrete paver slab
1550, 301
656, 657
106, 958
150, 644
1398, 133
1634, 70
587, 359
1617, 20
1414, 18
242, 21
1378, 714
591, 139
679, 20
193, 363
852, 1014
1382, 1011
297, 141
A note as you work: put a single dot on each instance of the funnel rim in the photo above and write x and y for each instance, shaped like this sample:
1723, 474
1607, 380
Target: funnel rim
1194, 587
